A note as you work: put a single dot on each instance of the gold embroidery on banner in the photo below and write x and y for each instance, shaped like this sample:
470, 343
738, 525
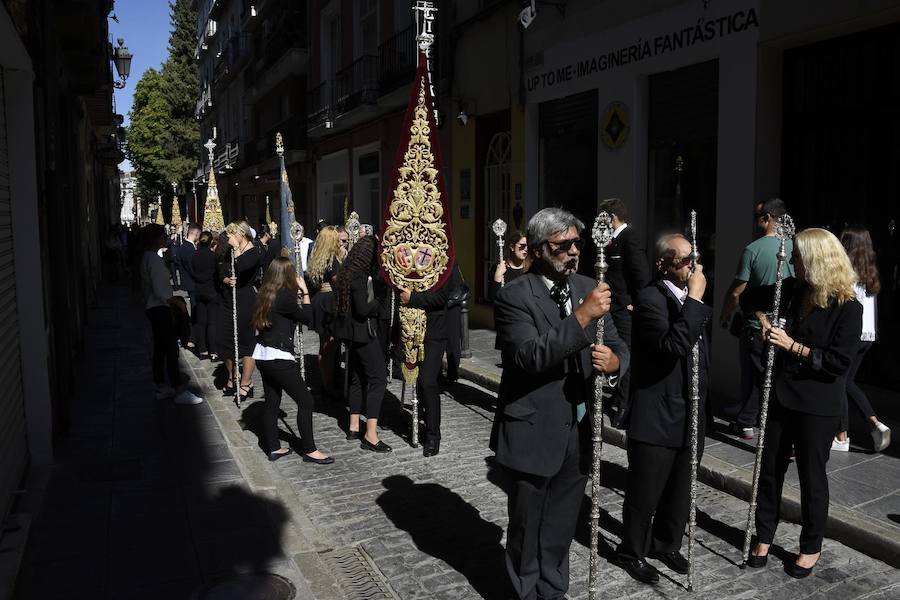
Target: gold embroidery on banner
415, 246
412, 334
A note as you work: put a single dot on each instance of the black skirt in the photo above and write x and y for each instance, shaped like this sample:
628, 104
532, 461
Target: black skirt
246, 300
323, 311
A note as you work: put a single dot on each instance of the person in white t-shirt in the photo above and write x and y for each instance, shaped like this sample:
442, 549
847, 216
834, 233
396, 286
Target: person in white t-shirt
858, 244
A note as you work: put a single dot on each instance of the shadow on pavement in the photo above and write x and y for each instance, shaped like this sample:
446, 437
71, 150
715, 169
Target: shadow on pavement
144, 499
448, 528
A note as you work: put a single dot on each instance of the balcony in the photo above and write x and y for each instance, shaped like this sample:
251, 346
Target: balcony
356, 84
397, 60
318, 103
234, 57
289, 33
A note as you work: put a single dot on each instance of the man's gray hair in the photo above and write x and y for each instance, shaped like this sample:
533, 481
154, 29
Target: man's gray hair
663, 248
548, 222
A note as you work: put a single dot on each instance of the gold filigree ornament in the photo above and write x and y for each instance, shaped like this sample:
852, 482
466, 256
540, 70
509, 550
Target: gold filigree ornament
415, 246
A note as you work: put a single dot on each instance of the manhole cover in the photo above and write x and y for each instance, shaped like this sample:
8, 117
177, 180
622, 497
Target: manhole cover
251, 586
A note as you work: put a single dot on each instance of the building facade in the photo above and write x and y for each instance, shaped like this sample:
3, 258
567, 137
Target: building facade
59, 196
253, 60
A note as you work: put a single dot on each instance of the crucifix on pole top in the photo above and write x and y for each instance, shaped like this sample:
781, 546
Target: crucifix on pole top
210, 146
279, 144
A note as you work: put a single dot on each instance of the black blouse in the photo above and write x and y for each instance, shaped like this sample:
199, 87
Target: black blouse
817, 384
495, 287
285, 313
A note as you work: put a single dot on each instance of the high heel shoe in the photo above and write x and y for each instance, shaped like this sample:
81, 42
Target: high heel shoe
757, 562
796, 571
228, 390
248, 389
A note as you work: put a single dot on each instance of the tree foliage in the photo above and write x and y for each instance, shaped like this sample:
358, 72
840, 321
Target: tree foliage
164, 135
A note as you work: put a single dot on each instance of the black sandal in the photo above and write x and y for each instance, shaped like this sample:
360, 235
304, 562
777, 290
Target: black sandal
247, 388
228, 390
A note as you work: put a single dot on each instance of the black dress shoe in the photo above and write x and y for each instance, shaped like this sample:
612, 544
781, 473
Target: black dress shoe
757, 562
796, 571
639, 569
674, 560
319, 461
379, 447
352, 435
431, 449
273, 456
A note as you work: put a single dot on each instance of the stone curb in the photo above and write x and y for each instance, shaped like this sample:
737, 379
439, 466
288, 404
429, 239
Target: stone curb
850, 527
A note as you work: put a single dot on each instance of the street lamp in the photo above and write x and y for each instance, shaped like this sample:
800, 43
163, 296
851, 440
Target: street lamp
122, 61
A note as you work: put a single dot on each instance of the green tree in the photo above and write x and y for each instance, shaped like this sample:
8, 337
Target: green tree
181, 82
148, 136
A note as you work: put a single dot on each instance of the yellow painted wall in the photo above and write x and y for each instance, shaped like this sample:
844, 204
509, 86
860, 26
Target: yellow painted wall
462, 156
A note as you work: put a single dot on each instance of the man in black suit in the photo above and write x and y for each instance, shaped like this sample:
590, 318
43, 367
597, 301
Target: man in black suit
669, 318
546, 328
185, 260
434, 303
628, 273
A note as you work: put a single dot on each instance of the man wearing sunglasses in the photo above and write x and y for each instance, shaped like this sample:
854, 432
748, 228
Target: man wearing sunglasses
546, 325
669, 318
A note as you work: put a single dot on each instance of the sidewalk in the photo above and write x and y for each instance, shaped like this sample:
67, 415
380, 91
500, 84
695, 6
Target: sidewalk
864, 487
145, 499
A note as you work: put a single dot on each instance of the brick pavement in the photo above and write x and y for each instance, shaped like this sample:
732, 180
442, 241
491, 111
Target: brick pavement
434, 527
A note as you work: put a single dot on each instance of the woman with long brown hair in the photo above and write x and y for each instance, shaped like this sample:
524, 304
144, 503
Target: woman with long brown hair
858, 244
357, 310
816, 348
324, 264
515, 263
282, 302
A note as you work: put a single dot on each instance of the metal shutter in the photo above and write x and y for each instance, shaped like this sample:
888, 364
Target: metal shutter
13, 448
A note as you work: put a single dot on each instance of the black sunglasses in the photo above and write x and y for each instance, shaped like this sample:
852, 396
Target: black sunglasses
564, 246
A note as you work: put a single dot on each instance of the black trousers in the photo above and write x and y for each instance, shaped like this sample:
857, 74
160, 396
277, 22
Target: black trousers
206, 311
454, 341
620, 397
284, 376
854, 392
429, 390
368, 378
810, 437
543, 514
657, 499
753, 367
165, 345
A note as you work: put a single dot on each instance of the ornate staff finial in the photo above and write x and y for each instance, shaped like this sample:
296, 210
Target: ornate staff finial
352, 226
279, 144
695, 254
297, 231
499, 227
210, 146
425, 35
601, 233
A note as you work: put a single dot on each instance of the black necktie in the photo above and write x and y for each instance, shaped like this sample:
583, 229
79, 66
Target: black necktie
560, 294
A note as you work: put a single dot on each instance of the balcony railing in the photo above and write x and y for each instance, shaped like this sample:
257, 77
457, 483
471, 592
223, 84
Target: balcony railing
318, 104
397, 59
234, 55
356, 84
290, 32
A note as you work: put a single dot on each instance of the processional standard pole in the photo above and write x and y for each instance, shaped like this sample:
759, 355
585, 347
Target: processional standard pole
601, 234
784, 229
416, 250
695, 417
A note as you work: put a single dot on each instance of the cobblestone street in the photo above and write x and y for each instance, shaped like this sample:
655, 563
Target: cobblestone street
434, 527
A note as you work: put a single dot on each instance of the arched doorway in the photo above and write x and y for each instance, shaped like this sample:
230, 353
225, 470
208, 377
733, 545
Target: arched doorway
497, 205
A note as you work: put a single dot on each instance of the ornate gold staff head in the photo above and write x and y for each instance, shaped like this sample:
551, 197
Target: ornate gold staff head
601, 233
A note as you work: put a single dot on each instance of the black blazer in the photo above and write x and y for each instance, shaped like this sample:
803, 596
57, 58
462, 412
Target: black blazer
186, 252
358, 325
285, 313
628, 272
434, 303
539, 389
203, 269
664, 335
817, 385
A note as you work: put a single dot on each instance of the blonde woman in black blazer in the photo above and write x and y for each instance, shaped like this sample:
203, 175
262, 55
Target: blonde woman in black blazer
815, 349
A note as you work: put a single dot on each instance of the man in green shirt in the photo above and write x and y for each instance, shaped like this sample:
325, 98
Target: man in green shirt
757, 268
